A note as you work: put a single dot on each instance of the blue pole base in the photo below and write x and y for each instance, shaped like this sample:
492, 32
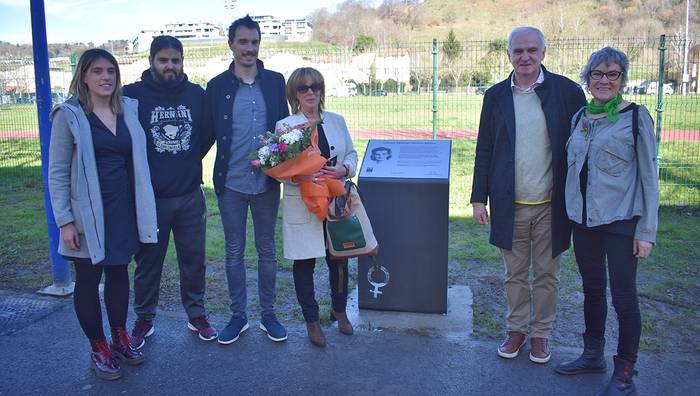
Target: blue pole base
58, 290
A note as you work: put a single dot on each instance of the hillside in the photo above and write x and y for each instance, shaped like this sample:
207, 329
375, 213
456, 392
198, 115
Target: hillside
414, 20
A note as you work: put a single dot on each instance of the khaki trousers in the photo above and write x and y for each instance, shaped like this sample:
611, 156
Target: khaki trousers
532, 243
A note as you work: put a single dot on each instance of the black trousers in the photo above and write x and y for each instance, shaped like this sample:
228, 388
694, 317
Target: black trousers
591, 249
303, 271
86, 298
185, 216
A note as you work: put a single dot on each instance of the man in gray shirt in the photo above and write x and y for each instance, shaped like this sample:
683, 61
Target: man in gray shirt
243, 102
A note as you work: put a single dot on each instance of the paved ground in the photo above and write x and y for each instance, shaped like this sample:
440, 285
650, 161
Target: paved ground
44, 352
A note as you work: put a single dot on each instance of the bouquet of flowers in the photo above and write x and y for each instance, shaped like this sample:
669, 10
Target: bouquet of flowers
293, 151
282, 145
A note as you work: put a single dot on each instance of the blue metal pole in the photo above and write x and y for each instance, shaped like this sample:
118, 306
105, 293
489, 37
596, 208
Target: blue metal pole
59, 266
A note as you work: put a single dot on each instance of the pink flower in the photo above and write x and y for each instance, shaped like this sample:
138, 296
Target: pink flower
282, 147
255, 162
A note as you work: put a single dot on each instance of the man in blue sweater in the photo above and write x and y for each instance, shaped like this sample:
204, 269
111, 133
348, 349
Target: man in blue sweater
243, 102
171, 113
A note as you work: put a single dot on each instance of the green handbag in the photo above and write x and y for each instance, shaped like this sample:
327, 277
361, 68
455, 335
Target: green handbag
348, 230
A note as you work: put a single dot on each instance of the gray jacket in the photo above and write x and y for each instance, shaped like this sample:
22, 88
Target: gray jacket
622, 178
74, 184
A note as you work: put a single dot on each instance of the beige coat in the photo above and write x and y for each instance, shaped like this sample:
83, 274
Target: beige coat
302, 232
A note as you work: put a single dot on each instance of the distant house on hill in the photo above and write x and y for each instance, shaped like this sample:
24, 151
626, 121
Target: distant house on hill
272, 28
187, 32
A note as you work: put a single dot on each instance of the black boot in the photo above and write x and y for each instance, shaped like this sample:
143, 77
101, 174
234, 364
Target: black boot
592, 360
621, 381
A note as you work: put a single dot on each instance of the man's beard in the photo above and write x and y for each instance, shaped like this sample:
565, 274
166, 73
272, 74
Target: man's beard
169, 82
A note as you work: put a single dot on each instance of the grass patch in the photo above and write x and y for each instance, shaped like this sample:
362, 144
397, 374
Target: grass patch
23, 226
487, 324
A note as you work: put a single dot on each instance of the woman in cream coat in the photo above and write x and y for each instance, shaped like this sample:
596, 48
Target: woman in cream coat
303, 232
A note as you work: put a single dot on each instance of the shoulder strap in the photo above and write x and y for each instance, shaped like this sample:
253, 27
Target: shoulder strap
579, 115
635, 122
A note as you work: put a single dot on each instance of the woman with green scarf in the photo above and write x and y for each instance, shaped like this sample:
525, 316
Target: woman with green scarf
612, 198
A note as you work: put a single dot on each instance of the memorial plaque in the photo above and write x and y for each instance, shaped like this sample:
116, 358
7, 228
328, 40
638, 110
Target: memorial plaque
405, 187
412, 159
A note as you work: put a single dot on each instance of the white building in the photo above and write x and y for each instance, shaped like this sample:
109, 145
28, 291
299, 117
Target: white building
297, 29
187, 32
272, 28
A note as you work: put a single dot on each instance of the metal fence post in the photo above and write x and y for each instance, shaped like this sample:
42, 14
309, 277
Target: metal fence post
62, 285
435, 87
73, 62
660, 99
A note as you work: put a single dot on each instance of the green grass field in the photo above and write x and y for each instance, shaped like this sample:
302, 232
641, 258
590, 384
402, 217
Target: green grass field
24, 228
680, 160
412, 111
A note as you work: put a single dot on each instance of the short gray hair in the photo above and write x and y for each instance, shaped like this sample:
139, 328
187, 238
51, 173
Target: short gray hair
610, 56
526, 29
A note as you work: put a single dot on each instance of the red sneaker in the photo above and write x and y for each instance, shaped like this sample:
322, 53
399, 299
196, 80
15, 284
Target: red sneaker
143, 328
201, 326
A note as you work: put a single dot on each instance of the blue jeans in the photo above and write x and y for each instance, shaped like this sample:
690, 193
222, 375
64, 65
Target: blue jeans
234, 217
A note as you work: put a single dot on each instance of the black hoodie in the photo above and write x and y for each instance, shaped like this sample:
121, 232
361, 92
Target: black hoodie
172, 119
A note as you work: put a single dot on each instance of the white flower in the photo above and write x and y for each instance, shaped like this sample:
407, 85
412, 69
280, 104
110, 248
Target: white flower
291, 137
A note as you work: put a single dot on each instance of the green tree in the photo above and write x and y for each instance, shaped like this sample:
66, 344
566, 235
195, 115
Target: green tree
496, 58
364, 43
452, 50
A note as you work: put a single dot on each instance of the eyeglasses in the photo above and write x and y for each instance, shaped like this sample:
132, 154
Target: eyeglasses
598, 75
315, 88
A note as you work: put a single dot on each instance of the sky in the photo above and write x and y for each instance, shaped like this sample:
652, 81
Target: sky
102, 20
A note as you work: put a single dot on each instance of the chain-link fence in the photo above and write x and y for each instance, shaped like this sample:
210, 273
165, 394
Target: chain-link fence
390, 92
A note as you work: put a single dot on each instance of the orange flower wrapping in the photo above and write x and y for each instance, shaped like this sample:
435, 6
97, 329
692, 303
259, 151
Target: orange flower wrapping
315, 194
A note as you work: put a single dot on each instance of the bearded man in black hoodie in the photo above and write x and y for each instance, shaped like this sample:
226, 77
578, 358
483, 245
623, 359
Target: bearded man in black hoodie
170, 111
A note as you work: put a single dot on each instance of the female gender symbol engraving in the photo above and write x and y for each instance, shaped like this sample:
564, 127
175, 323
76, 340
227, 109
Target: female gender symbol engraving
376, 285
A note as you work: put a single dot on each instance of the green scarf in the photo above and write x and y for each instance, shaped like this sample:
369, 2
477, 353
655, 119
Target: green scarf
610, 108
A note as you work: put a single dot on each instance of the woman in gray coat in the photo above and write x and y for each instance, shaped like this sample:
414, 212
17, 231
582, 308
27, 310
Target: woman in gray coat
612, 198
303, 233
102, 200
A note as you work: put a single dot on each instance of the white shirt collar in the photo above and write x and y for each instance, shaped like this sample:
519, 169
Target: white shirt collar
534, 85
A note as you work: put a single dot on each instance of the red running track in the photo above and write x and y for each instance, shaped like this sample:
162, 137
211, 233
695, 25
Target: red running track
675, 135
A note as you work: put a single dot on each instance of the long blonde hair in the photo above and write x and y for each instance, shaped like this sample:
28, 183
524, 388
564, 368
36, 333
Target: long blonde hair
79, 89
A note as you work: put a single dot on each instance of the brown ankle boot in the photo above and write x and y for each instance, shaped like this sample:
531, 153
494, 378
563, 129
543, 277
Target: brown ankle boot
316, 335
123, 350
102, 361
344, 324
